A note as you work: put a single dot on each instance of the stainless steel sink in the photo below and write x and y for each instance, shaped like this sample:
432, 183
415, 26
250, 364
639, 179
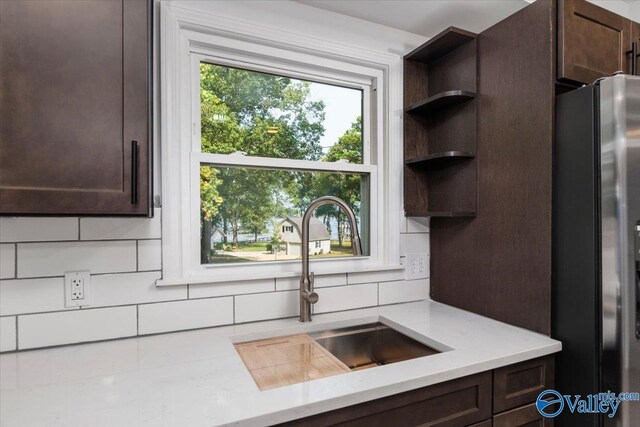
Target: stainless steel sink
367, 346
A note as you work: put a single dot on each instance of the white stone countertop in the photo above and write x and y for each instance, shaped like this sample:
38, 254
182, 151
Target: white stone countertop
196, 378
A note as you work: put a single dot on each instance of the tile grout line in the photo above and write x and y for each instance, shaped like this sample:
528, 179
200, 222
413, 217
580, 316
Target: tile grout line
117, 239
15, 261
137, 319
79, 229
16, 333
93, 274
137, 257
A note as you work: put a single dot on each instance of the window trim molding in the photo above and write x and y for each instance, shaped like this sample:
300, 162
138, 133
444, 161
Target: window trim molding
185, 31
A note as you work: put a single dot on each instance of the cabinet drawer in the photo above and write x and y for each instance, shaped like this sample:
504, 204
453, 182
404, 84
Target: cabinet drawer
519, 384
485, 423
526, 416
456, 403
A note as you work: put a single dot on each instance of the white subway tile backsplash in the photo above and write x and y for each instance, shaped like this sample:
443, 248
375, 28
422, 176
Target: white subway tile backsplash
46, 229
23, 296
404, 291
149, 255
7, 333
273, 305
124, 256
320, 281
54, 259
120, 228
131, 288
375, 276
7, 261
233, 288
414, 226
181, 315
43, 330
346, 297
413, 243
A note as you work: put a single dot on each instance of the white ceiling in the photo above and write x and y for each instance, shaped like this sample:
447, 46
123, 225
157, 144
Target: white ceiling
424, 17
429, 17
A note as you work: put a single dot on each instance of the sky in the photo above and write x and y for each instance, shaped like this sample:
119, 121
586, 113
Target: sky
342, 106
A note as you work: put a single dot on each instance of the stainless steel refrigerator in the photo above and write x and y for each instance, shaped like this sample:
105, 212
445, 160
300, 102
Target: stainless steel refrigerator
596, 250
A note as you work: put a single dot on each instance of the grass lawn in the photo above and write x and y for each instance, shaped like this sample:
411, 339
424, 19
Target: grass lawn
337, 251
225, 259
251, 247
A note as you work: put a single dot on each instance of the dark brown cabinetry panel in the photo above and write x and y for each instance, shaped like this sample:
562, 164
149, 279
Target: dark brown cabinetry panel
499, 263
74, 96
526, 416
461, 402
592, 42
455, 403
521, 383
631, 57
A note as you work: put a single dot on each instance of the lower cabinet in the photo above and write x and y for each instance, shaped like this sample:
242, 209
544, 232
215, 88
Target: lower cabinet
504, 397
524, 416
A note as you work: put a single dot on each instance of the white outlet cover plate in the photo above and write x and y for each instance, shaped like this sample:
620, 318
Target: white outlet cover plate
416, 266
86, 278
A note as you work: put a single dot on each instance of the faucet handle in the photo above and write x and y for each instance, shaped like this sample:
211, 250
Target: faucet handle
310, 297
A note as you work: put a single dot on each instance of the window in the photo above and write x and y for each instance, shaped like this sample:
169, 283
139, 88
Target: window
270, 145
191, 42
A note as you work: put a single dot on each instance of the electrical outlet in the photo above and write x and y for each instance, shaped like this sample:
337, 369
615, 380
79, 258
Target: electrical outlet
77, 288
416, 266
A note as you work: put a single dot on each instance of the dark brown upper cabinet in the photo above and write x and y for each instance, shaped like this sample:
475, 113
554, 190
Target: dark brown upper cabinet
75, 107
633, 53
592, 42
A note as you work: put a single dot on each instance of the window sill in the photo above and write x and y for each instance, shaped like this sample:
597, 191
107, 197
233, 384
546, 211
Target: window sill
181, 281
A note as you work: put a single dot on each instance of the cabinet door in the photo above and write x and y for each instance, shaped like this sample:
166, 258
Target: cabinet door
635, 38
519, 384
592, 41
75, 103
525, 416
461, 402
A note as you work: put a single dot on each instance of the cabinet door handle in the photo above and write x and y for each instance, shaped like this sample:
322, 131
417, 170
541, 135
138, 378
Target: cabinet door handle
634, 58
134, 172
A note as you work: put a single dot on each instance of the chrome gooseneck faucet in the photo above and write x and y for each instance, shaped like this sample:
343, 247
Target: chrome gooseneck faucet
307, 296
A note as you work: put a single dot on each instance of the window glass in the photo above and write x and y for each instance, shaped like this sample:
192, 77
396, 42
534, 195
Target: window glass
254, 215
268, 115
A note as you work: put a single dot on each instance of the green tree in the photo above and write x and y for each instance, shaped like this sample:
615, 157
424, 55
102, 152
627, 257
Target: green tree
209, 206
348, 187
219, 127
261, 115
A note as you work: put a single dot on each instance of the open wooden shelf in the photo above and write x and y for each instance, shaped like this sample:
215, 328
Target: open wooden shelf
438, 159
441, 44
440, 135
441, 100
441, 214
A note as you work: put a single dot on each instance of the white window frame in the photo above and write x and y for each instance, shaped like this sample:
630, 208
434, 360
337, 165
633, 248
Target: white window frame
186, 40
